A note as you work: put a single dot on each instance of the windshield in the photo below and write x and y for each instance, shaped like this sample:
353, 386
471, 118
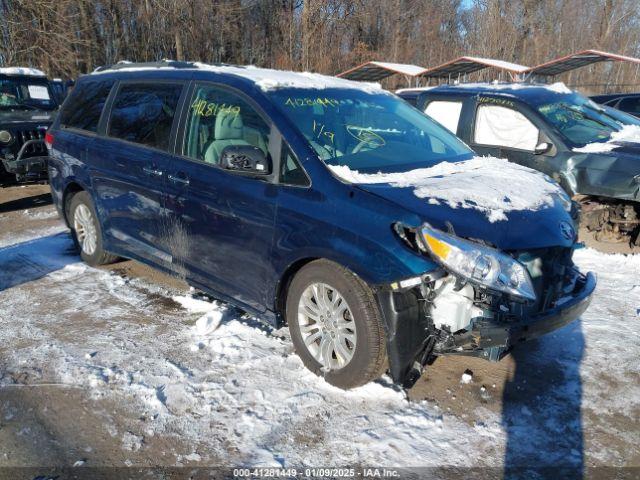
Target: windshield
25, 93
579, 120
369, 132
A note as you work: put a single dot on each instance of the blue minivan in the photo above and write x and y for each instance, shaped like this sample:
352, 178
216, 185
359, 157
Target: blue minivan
331, 206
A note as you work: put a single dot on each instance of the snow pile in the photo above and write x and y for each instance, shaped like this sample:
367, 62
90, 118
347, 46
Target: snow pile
492, 185
629, 133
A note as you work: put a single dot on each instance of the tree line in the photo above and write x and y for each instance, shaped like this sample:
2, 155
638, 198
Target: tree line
66, 38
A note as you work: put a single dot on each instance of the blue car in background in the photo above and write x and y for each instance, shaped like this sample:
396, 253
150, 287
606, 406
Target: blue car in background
328, 205
592, 151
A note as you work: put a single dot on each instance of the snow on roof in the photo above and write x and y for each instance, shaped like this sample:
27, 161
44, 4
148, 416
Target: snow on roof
32, 72
489, 184
415, 89
629, 134
578, 60
265, 78
375, 71
558, 87
465, 65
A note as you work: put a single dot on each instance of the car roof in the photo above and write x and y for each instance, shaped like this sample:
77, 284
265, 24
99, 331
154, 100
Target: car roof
263, 78
524, 91
22, 72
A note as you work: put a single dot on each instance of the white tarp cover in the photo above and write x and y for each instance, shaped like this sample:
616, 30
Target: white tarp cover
504, 127
38, 92
446, 113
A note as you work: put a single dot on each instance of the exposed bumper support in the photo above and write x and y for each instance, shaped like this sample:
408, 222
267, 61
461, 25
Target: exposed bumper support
27, 168
411, 335
489, 335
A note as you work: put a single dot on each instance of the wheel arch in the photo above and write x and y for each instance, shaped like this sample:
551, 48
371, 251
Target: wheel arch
70, 190
282, 287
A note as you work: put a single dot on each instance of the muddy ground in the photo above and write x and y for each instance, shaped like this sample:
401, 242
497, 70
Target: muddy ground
44, 424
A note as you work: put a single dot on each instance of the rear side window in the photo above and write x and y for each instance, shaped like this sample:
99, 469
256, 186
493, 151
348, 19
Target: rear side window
144, 113
445, 113
84, 108
504, 127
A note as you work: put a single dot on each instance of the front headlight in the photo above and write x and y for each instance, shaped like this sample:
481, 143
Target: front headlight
478, 264
5, 137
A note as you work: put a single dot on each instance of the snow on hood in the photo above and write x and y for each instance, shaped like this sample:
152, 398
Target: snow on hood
492, 185
629, 133
265, 78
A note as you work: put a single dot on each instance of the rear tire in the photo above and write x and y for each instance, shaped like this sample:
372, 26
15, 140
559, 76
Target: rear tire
87, 231
340, 334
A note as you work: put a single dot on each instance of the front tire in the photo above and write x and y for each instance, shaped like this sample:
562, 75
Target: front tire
335, 324
87, 231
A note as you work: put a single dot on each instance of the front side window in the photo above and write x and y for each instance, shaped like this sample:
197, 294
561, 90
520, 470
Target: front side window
219, 118
368, 132
84, 108
143, 113
446, 113
291, 172
499, 126
26, 93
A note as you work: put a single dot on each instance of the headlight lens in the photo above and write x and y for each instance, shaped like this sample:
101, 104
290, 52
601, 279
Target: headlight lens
5, 137
478, 264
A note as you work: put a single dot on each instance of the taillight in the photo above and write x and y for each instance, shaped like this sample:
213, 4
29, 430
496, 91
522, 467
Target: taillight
48, 140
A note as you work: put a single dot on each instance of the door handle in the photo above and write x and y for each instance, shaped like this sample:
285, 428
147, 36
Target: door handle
179, 180
152, 171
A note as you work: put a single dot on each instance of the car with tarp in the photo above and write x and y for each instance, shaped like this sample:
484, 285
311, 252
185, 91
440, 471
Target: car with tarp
591, 150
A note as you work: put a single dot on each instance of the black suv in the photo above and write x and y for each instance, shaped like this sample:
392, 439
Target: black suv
27, 106
592, 151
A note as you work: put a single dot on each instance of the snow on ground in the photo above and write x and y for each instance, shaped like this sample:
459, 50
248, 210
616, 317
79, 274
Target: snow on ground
239, 389
492, 185
205, 373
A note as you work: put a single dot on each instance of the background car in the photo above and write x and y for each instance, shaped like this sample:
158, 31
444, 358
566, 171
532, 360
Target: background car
626, 102
27, 106
589, 150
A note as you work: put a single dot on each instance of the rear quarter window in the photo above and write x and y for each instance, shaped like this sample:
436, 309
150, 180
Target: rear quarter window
84, 107
143, 113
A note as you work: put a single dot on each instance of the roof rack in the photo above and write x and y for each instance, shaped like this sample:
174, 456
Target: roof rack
123, 64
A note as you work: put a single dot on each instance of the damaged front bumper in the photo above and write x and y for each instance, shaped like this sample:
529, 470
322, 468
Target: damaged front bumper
413, 340
25, 166
491, 339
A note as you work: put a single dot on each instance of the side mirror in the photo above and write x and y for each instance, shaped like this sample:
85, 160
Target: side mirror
245, 159
542, 148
